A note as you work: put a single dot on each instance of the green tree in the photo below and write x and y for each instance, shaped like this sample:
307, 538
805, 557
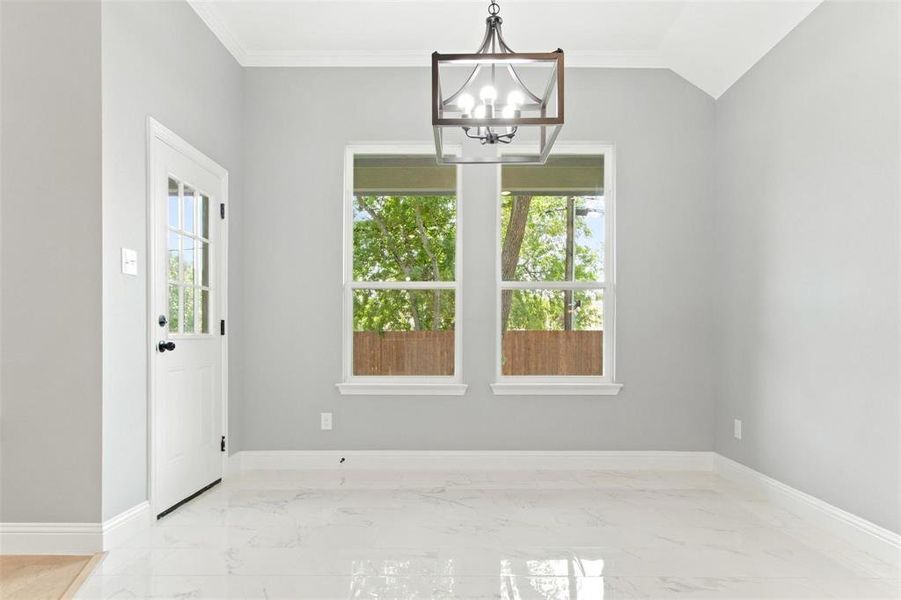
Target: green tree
404, 238
413, 238
548, 238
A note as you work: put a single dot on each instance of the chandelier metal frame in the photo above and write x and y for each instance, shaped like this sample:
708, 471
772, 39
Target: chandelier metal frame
486, 125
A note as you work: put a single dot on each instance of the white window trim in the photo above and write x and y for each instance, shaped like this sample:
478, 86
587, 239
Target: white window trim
398, 385
574, 385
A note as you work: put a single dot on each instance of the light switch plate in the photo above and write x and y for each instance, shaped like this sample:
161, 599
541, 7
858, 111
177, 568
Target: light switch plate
129, 261
736, 429
325, 421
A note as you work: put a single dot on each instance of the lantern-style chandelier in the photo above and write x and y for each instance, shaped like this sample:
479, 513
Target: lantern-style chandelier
493, 102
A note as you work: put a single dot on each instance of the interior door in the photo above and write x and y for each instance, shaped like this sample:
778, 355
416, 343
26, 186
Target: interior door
187, 403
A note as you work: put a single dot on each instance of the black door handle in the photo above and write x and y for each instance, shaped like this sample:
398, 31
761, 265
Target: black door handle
163, 346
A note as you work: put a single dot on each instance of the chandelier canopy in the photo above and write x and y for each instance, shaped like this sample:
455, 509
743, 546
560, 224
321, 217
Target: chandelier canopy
493, 102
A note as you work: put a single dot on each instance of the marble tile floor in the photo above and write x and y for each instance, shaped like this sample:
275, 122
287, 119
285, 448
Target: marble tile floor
503, 534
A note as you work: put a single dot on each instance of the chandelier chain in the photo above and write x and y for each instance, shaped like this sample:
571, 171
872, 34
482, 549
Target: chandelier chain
494, 8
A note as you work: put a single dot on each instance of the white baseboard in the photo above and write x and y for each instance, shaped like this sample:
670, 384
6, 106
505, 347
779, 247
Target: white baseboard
465, 459
73, 538
125, 525
878, 541
50, 538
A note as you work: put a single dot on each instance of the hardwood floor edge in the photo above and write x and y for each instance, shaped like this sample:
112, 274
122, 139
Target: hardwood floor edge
82, 576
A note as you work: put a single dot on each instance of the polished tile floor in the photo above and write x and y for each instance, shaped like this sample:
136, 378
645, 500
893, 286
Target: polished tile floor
503, 534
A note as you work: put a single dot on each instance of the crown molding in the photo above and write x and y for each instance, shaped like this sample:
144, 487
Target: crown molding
212, 18
574, 59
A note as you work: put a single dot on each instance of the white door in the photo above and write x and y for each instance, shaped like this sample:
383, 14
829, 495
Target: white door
186, 308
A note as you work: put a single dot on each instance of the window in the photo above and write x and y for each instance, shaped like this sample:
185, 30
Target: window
188, 244
402, 257
555, 273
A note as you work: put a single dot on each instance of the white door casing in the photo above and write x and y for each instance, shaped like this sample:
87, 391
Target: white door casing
187, 284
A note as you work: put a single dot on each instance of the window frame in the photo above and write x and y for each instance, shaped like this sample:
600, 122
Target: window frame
604, 385
441, 385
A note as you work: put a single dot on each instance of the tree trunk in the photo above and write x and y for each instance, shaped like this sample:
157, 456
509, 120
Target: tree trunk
569, 266
516, 229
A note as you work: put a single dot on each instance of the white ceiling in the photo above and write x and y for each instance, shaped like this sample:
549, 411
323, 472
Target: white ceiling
710, 43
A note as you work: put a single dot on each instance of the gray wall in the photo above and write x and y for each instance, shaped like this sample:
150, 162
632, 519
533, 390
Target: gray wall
297, 124
807, 223
160, 60
50, 374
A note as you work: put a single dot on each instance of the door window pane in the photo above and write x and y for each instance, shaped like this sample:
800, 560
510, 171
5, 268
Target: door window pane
203, 311
187, 259
174, 252
203, 264
204, 216
403, 332
174, 304
189, 310
173, 204
552, 332
188, 213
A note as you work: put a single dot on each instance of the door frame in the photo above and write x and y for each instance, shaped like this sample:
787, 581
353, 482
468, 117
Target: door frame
159, 133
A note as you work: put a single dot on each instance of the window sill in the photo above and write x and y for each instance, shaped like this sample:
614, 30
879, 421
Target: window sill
402, 389
555, 389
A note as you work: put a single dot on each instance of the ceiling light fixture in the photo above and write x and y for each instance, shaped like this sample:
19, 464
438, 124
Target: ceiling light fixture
495, 71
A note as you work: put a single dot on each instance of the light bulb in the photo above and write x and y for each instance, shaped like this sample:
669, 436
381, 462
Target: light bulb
488, 94
480, 111
516, 97
465, 102
509, 112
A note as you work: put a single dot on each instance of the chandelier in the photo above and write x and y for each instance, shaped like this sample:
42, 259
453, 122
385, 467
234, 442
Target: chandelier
492, 104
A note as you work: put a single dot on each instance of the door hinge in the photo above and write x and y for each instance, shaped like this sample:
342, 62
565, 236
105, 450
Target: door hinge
222, 210
222, 327
222, 444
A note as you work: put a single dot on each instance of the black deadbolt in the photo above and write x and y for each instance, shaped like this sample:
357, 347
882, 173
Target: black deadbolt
163, 320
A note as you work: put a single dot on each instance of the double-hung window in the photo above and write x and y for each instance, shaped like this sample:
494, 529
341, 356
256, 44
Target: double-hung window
401, 272
556, 294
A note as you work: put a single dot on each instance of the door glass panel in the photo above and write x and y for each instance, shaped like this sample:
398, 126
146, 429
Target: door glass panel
204, 216
188, 215
203, 264
173, 257
189, 256
189, 310
203, 311
173, 204
174, 303
187, 260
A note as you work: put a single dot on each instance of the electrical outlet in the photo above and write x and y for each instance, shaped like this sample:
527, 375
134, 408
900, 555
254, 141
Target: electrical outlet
736, 429
325, 421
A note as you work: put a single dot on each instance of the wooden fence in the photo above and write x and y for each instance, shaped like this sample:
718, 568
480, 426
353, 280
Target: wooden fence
524, 353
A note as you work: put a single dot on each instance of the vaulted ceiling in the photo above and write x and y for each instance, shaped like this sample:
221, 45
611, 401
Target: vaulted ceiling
710, 43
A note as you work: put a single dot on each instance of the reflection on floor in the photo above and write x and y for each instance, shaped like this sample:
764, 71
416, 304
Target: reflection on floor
517, 535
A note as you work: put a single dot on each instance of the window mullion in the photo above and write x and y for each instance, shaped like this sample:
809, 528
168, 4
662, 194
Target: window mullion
402, 285
554, 285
